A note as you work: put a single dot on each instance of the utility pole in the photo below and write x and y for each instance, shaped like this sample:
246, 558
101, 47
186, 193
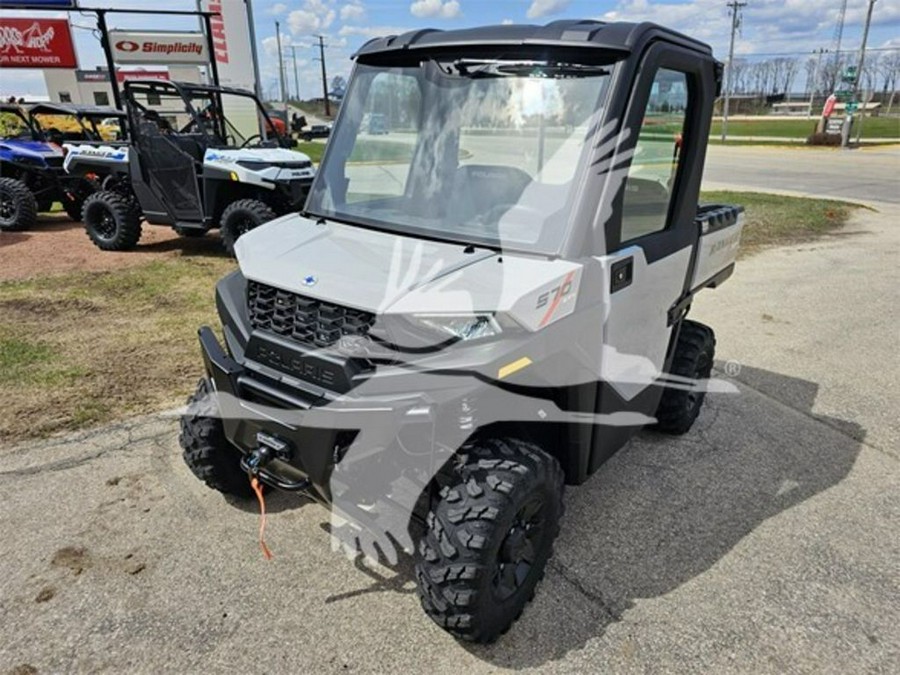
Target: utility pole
284, 96
859, 70
815, 81
296, 73
736, 7
324, 76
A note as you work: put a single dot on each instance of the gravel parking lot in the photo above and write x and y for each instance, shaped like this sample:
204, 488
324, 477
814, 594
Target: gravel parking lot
766, 540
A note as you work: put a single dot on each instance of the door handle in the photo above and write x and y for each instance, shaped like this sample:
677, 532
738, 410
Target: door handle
621, 274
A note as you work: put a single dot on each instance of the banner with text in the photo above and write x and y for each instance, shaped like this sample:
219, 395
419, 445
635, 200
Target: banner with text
36, 43
131, 47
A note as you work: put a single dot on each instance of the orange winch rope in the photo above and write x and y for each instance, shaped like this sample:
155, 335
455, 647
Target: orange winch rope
257, 488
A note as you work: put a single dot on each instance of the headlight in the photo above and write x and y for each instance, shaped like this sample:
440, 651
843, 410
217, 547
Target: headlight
462, 327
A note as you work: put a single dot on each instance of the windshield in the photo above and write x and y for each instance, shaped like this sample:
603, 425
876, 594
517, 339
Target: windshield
482, 152
243, 120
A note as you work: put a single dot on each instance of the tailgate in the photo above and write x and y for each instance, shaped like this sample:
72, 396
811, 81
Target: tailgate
720, 237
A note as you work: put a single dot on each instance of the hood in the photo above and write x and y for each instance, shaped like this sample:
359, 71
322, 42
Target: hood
32, 149
267, 155
388, 273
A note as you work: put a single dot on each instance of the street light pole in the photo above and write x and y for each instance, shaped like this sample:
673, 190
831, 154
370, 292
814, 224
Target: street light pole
736, 7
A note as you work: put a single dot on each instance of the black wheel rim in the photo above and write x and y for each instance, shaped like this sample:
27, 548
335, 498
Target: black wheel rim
8, 207
242, 226
519, 551
105, 224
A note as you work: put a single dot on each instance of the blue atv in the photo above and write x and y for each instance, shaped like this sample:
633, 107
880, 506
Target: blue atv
32, 178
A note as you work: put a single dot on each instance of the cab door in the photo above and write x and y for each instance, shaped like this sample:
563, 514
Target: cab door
652, 235
170, 161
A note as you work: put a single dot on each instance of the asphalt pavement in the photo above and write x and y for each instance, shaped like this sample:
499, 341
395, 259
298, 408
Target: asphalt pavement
765, 541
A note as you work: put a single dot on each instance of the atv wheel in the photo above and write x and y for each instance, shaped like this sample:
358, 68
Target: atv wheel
208, 454
111, 221
694, 354
241, 217
18, 210
489, 535
74, 201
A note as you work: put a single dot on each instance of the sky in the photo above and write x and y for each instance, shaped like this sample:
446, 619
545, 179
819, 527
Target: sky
769, 27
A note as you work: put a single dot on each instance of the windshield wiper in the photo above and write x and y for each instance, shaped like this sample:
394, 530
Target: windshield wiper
482, 69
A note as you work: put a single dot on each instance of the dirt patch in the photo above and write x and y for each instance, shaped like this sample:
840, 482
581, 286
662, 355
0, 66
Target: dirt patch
45, 595
58, 245
74, 558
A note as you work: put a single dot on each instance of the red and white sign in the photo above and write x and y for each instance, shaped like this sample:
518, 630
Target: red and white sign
131, 47
36, 43
123, 75
231, 43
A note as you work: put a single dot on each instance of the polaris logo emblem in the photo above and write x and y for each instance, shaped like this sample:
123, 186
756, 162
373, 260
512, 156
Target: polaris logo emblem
310, 280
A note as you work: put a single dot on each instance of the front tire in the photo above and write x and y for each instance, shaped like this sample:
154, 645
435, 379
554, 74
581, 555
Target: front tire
206, 451
111, 221
489, 535
242, 216
695, 352
18, 210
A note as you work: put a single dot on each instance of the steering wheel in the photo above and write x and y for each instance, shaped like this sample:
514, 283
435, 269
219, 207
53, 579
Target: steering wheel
252, 138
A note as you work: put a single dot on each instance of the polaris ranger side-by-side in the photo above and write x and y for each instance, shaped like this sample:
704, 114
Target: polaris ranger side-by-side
198, 157
444, 338
32, 178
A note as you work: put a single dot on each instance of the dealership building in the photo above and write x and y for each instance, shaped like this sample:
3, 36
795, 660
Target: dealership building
93, 87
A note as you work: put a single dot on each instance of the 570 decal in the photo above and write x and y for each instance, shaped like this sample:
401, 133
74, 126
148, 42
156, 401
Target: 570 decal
552, 298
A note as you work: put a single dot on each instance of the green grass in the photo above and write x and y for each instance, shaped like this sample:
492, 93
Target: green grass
774, 220
874, 127
312, 149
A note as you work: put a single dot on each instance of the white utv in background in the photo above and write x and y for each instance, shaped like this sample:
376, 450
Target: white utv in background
441, 341
189, 165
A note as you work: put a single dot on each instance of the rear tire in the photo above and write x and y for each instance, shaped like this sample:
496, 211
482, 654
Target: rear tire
695, 352
111, 221
206, 451
18, 210
489, 535
242, 216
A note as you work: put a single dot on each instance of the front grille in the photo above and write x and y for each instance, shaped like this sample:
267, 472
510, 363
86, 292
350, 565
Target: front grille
306, 320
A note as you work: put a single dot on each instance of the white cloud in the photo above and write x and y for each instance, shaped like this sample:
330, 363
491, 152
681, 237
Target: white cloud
507, 22
277, 9
354, 11
541, 8
441, 9
315, 16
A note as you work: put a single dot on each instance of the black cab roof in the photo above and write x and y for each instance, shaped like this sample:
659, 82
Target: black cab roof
619, 37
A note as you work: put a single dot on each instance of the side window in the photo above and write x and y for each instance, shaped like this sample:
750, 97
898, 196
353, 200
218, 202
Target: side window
101, 98
651, 178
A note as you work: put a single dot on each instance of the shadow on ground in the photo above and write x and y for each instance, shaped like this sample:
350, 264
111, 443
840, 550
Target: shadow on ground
663, 511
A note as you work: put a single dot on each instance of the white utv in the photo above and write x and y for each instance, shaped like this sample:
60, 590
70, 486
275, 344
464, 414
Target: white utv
443, 339
198, 157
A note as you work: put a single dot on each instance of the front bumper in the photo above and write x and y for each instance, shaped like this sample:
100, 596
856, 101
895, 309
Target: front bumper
318, 432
